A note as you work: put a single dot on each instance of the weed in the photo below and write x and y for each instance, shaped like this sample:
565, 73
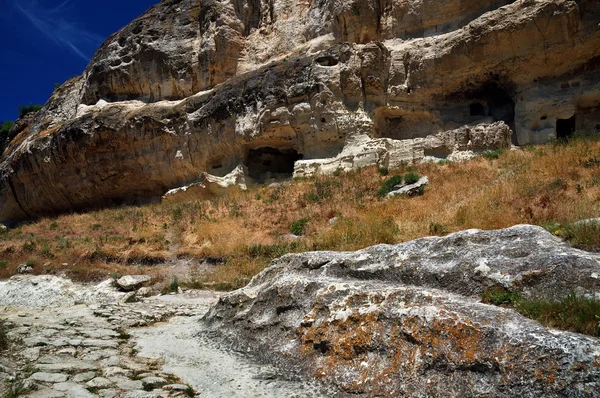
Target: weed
174, 286
437, 229
574, 313
500, 296
30, 263
583, 235
28, 246
298, 227
337, 172
96, 227
411, 178
383, 171
3, 264
4, 339
388, 185
492, 154
591, 162
53, 225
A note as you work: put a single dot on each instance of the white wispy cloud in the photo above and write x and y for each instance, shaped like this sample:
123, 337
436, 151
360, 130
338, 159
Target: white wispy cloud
52, 22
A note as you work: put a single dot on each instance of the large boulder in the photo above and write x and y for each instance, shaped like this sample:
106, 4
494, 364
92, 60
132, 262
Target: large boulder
406, 320
286, 87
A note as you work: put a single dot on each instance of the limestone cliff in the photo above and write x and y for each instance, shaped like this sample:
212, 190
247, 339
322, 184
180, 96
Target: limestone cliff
285, 86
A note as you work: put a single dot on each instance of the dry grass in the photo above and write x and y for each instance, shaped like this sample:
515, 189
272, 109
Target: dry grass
545, 185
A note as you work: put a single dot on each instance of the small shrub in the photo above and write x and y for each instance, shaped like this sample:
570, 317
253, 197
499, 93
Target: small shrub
583, 235
96, 227
4, 339
492, 154
337, 172
411, 178
574, 313
174, 286
384, 171
591, 162
388, 185
28, 246
53, 225
298, 227
30, 263
437, 228
26, 109
3, 264
501, 297
5, 128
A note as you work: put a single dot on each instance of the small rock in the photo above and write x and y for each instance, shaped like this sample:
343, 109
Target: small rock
153, 382
130, 385
144, 292
3, 228
176, 387
108, 393
99, 382
24, 269
333, 221
49, 377
73, 390
132, 282
130, 297
411, 189
83, 377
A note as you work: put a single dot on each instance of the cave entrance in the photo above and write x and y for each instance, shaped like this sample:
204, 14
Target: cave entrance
477, 109
266, 162
565, 127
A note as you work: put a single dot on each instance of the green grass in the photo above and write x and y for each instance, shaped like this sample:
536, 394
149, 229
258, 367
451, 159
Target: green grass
411, 178
298, 227
492, 154
573, 313
583, 235
4, 339
389, 185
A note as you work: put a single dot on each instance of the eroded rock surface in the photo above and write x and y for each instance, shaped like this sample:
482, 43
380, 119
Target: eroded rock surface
286, 87
406, 320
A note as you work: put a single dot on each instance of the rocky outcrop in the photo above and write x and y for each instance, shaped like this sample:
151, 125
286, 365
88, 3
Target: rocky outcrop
300, 87
406, 320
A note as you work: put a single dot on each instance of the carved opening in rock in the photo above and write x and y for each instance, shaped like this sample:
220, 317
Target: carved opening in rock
267, 162
477, 109
326, 60
565, 127
544, 118
439, 153
598, 127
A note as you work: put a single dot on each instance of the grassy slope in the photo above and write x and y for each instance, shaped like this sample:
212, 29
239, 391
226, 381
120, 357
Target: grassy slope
545, 185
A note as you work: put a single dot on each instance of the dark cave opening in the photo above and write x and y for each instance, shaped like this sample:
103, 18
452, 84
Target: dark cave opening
477, 109
267, 162
565, 127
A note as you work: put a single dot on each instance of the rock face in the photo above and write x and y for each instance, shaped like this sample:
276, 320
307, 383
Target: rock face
406, 320
286, 87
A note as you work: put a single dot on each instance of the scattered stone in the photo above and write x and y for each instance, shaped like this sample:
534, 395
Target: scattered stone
99, 382
24, 269
74, 390
152, 382
144, 292
410, 189
108, 393
83, 377
130, 297
49, 377
176, 387
3, 228
130, 385
132, 282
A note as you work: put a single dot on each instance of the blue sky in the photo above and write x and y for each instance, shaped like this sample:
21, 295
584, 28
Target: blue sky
43, 42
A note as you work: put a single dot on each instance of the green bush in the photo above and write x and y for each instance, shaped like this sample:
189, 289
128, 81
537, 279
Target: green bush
5, 128
411, 178
298, 227
388, 185
384, 171
583, 235
25, 109
574, 313
492, 154
437, 228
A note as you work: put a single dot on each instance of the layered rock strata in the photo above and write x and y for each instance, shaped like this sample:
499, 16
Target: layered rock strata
198, 86
406, 320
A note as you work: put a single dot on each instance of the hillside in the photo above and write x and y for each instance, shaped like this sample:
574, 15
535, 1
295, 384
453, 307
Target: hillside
222, 242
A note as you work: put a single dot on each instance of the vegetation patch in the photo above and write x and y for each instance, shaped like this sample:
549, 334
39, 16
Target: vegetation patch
573, 313
388, 185
298, 227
